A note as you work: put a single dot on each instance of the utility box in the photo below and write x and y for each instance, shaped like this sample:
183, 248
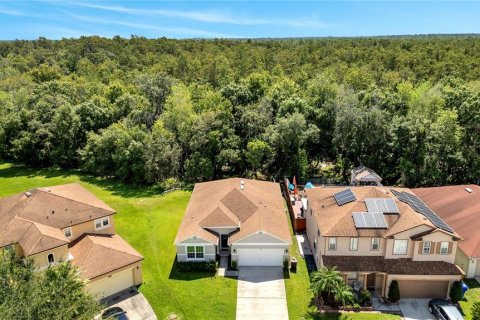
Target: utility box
293, 264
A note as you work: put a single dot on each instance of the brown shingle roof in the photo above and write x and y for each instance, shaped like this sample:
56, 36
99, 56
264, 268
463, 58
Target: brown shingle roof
259, 206
97, 254
32, 237
34, 219
458, 208
218, 218
390, 266
335, 220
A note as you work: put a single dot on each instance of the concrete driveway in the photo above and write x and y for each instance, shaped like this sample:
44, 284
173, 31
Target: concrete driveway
415, 309
134, 303
261, 294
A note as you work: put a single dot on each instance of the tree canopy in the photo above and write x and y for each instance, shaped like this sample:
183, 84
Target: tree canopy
144, 110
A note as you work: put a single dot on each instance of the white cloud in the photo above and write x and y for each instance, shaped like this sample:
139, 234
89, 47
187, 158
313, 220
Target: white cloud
207, 16
11, 12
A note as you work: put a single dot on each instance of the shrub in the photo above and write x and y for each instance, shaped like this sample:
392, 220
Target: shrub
365, 297
456, 292
234, 264
476, 310
394, 292
200, 266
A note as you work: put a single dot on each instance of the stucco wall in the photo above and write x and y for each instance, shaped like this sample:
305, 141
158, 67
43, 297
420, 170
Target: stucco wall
312, 234
41, 259
137, 273
89, 227
364, 245
436, 238
477, 269
209, 251
405, 235
462, 260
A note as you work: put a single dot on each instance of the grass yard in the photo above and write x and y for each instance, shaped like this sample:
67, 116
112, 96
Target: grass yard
471, 296
149, 223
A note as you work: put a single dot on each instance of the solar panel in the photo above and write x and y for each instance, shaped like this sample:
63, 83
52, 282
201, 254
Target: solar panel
384, 205
369, 220
344, 197
416, 204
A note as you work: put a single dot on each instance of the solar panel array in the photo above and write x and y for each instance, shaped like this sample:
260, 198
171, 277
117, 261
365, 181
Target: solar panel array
369, 220
384, 205
416, 204
344, 197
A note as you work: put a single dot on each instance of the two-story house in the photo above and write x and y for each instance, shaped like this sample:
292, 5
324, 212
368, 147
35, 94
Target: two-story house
67, 222
374, 235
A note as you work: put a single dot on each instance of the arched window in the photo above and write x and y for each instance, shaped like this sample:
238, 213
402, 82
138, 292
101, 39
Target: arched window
51, 258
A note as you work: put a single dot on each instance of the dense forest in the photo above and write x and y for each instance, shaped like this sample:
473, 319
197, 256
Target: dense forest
148, 111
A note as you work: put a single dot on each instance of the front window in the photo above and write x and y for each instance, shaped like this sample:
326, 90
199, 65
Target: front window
400, 246
375, 244
51, 258
444, 247
195, 252
427, 247
332, 244
353, 244
67, 232
102, 223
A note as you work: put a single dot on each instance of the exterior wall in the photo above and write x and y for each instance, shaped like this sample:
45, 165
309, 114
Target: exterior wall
312, 235
137, 273
398, 277
436, 238
364, 245
405, 235
462, 261
258, 238
89, 227
209, 251
477, 269
41, 259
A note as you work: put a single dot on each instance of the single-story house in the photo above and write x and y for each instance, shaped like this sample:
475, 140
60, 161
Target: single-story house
244, 218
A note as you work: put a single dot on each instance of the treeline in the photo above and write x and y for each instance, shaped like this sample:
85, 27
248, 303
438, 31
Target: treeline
144, 111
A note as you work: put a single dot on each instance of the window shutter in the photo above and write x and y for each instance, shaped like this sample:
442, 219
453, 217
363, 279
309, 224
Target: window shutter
438, 245
420, 247
450, 246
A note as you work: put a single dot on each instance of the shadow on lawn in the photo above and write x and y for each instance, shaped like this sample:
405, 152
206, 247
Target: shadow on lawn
472, 284
175, 274
117, 188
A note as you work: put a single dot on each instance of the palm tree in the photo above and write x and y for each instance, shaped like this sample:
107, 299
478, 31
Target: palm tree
324, 283
343, 294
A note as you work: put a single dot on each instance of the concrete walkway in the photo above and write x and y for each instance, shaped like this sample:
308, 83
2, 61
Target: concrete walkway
134, 303
261, 294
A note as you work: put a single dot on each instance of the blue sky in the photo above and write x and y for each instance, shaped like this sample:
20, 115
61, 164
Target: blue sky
234, 19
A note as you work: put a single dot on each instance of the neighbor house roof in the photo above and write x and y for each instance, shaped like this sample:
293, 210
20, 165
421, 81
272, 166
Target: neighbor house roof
96, 254
390, 266
335, 220
259, 206
460, 209
33, 219
362, 173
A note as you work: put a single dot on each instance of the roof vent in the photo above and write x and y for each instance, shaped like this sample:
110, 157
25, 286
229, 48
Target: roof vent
28, 193
468, 190
242, 185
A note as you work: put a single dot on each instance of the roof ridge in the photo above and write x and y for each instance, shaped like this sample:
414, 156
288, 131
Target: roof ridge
17, 213
60, 196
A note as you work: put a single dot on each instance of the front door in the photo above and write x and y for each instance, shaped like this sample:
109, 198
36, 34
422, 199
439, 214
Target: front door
224, 244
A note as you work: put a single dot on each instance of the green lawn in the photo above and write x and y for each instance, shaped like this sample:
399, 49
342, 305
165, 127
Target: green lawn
149, 223
472, 295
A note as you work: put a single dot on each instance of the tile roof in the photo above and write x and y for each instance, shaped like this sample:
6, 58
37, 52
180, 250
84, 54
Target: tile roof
458, 208
390, 266
96, 254
34, 218
335, 220
259, 206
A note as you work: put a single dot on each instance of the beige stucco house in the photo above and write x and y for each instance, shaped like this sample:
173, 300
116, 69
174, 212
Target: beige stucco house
459, 206
67, 222
239, 217
373, 238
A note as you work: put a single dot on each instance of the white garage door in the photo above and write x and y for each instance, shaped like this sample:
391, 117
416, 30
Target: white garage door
260, 257
110, 285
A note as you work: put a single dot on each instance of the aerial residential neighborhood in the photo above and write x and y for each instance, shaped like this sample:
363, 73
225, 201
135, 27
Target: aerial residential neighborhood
239, 160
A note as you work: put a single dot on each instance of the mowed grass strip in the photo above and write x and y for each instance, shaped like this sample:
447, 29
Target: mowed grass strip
149, 222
